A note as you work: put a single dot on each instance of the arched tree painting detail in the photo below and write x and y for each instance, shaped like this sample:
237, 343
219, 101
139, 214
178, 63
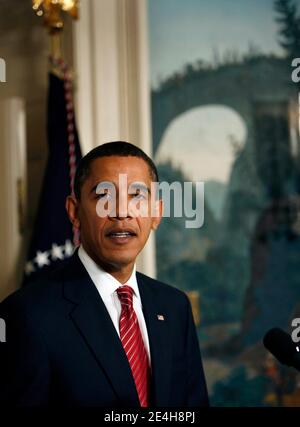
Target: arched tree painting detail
225, 111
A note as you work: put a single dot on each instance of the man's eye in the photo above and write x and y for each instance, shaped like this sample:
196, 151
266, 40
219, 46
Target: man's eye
104, 196
140, 196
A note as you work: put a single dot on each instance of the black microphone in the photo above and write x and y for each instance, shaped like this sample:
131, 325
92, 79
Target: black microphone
281, 345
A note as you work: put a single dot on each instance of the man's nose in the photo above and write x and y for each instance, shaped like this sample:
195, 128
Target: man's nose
122, 210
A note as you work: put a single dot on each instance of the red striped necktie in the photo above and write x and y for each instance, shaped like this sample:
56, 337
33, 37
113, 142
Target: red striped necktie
133, 344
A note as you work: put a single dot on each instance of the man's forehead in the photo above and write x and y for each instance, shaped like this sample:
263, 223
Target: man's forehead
123, 181
118, 159
110, 167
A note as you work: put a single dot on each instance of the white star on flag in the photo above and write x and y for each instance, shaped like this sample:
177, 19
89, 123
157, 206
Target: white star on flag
69, 248
57, 252
42, 258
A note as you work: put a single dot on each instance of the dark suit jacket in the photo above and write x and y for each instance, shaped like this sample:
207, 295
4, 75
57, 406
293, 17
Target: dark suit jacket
62, 348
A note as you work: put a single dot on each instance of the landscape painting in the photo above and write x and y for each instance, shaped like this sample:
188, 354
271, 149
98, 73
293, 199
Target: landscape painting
225, 111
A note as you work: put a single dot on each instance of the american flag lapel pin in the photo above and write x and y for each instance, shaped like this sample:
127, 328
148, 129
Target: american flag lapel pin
161, 317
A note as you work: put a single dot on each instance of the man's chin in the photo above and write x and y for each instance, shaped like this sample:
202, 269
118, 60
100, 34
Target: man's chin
120, 259
121, 262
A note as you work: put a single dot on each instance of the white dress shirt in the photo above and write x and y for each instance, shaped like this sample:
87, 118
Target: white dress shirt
107, 285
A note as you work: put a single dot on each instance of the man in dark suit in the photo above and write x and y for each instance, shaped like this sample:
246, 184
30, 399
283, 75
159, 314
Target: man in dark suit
94, 332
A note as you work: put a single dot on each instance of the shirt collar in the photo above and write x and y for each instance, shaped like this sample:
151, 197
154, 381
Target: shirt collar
104, 281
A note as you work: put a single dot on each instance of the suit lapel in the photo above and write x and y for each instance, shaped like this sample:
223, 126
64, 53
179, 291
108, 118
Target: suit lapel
160, 349
94, 324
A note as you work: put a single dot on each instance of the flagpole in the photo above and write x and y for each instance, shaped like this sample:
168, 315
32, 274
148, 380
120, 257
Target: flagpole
55, 45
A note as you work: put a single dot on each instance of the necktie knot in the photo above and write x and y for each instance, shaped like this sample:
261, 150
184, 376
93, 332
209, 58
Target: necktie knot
125, 294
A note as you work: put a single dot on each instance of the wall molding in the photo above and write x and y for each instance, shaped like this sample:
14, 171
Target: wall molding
13, 191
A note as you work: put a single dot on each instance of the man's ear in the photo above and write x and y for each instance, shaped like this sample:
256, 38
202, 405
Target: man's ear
159, 208
72, 209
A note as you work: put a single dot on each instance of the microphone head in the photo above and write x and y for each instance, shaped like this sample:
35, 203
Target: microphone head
281, 345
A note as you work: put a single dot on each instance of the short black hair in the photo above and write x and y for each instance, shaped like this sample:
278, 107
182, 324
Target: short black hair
116, 148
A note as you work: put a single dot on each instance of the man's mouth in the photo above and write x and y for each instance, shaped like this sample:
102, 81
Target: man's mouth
121, 236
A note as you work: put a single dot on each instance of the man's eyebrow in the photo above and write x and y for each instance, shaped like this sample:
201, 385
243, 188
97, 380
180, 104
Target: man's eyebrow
93, 190
133, 186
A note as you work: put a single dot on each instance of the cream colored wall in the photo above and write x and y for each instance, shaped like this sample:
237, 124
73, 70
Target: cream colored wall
23, 46
12, 190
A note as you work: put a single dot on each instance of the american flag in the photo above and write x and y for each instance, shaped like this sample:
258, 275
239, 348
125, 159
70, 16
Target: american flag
53, 238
